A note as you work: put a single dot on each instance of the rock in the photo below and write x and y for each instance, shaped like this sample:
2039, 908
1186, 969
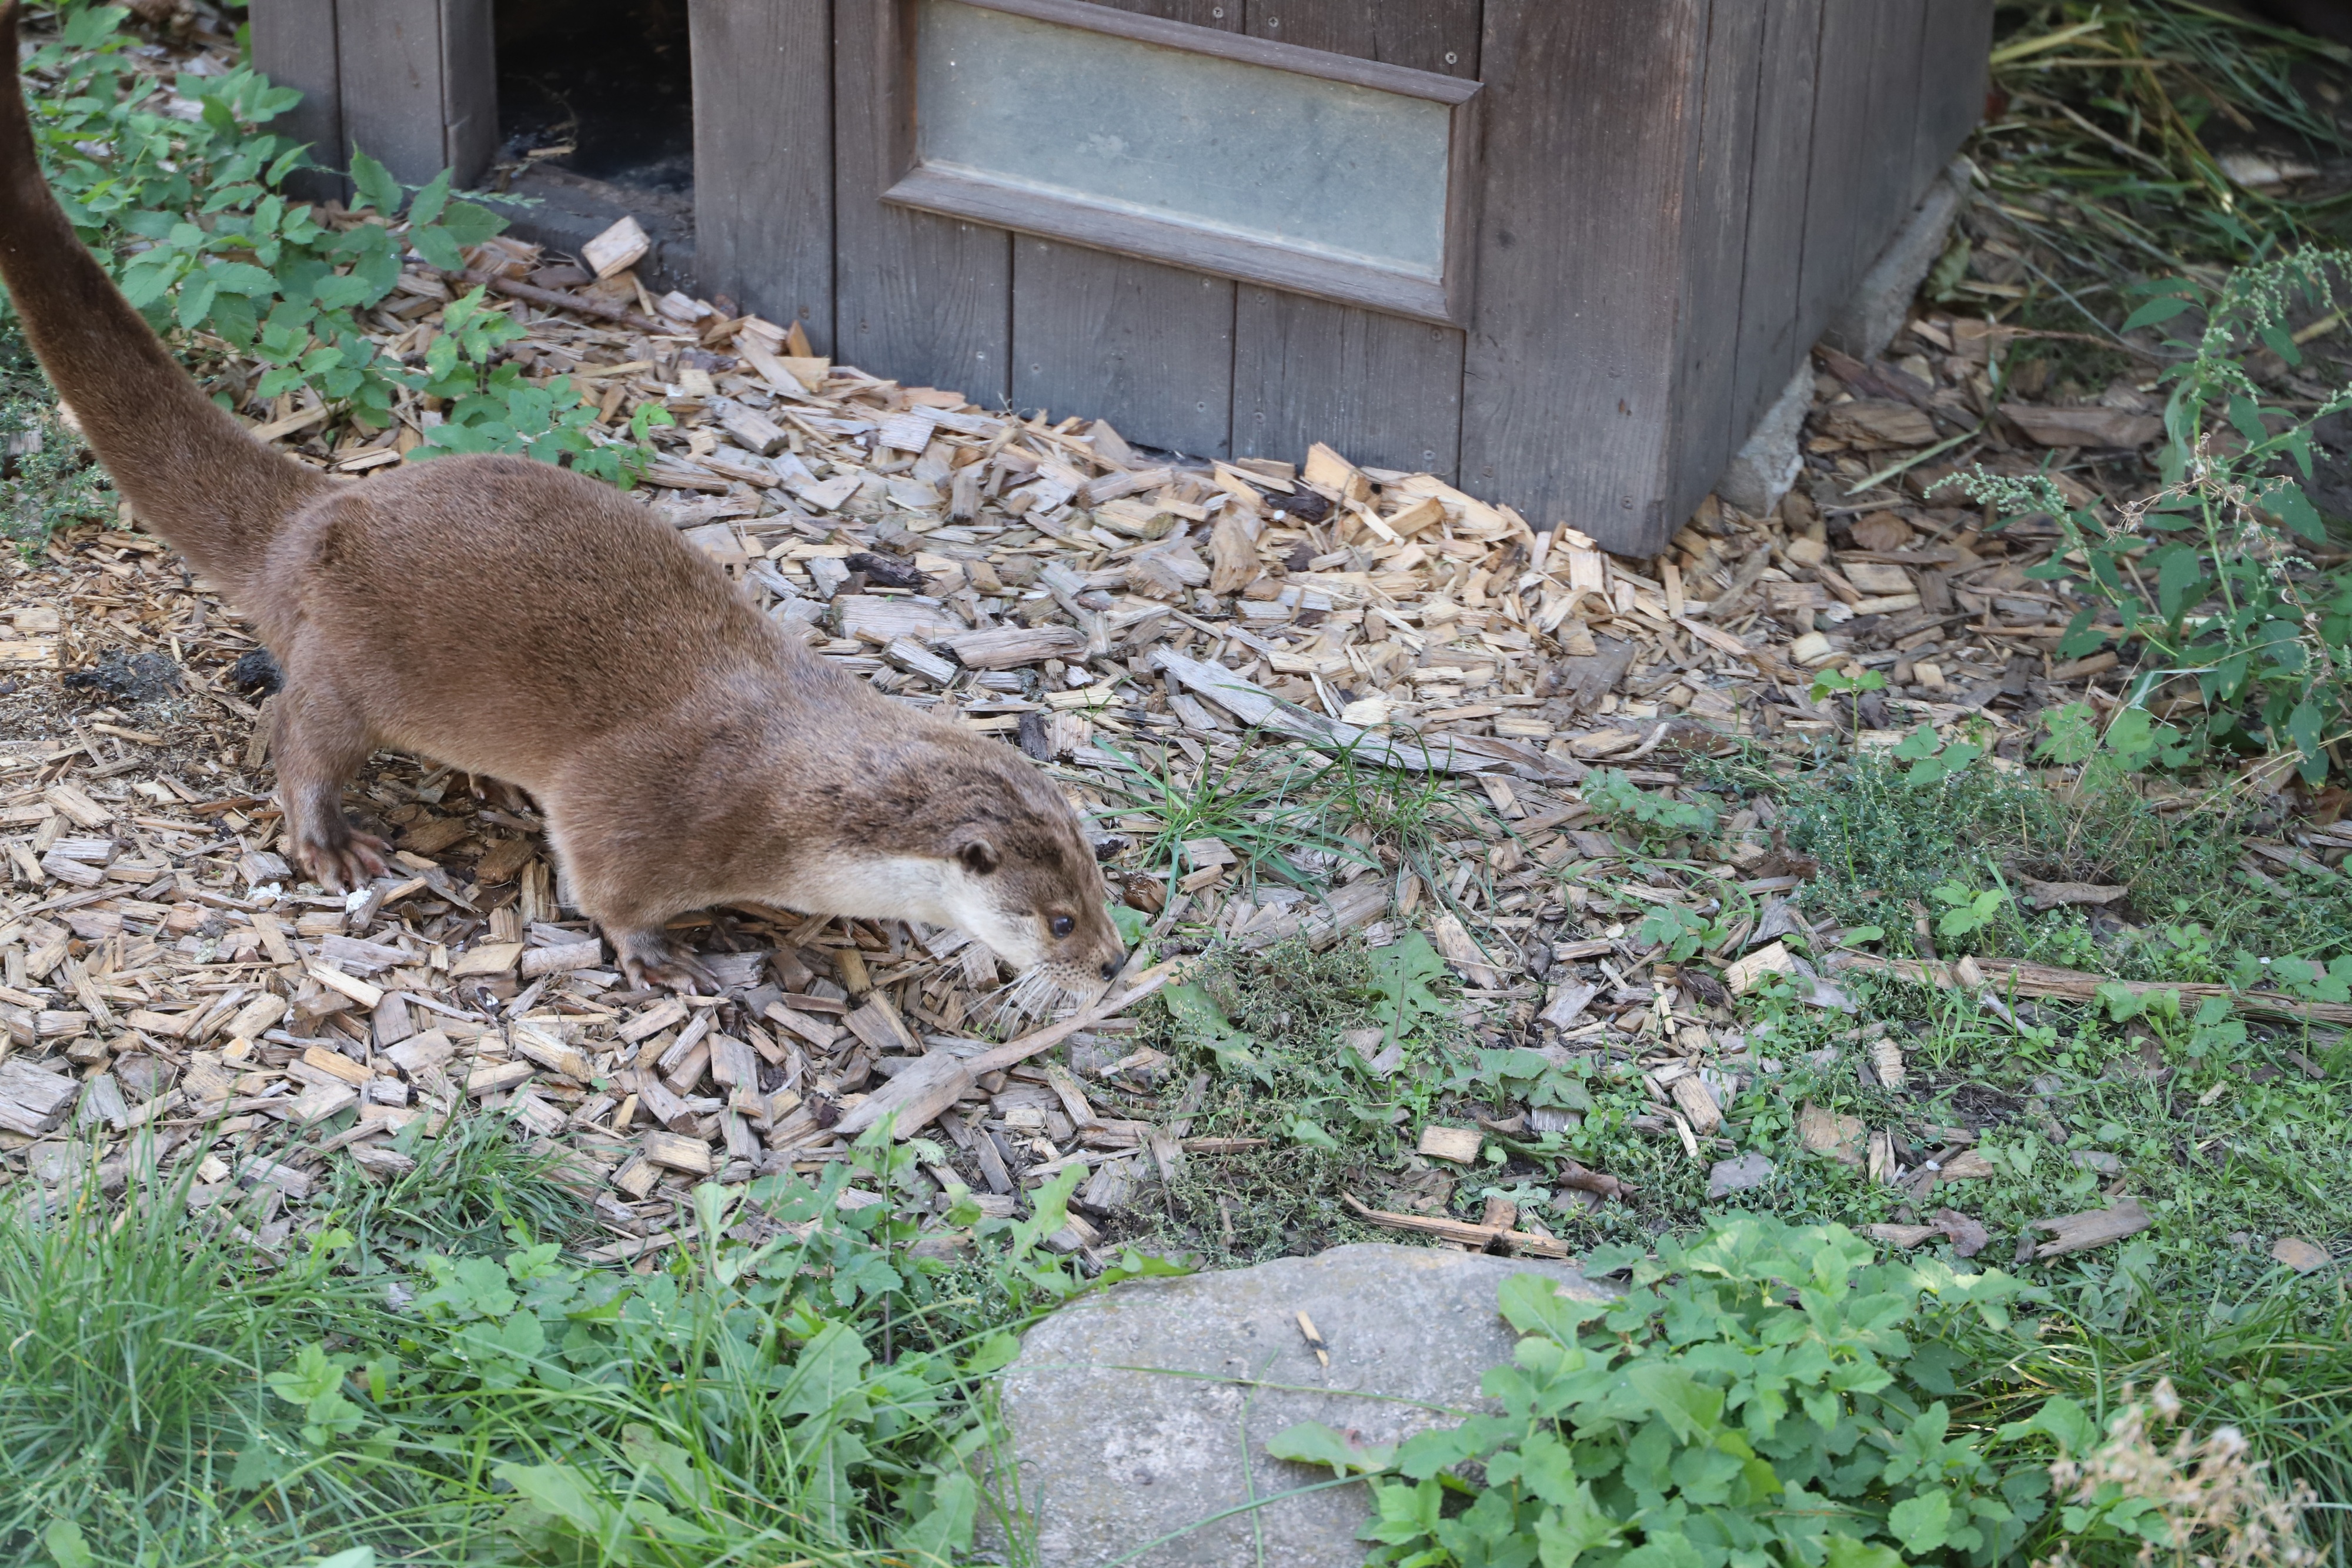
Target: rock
1882, 302
1742, 1175
1767, 465
1111, 1457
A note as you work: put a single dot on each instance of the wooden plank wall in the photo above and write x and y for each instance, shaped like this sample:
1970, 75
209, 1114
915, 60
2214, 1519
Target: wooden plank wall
1706, 414
1769, 344
1151, 347
763, 138
923, 298
1876, 95
294, 46
1955, 47
1382, 389
1568, 380
1653, 259
419, 81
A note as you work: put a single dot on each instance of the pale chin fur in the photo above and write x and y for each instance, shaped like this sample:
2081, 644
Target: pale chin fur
942, 893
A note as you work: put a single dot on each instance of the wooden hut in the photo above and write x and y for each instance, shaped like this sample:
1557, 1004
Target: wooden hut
1562, 252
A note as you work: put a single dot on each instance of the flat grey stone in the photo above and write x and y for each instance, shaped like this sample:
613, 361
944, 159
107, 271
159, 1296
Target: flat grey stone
1767, 466
1726, 1176
1116, 1447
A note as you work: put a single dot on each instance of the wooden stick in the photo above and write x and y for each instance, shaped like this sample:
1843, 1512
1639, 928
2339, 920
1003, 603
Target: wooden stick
1461, 1230
1046, 1038
530, 294
2044, 980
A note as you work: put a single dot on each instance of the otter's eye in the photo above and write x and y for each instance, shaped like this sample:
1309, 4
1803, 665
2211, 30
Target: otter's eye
1061, 926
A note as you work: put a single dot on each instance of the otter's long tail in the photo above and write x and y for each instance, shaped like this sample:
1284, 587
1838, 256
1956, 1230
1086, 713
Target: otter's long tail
190, 470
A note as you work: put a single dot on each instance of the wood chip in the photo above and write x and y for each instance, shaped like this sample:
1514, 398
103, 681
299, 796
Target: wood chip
674, 1152
2091, 1227
1841, 1137
2303, 1257
1460, 1145
621, 246
916, 1096
488, 958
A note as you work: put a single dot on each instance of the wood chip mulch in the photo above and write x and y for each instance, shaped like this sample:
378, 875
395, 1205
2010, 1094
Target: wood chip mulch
162, 971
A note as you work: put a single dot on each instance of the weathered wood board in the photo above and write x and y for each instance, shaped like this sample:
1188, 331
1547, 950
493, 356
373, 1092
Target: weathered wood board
1666, 201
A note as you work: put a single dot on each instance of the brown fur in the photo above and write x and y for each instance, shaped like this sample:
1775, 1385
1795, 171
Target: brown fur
520, 621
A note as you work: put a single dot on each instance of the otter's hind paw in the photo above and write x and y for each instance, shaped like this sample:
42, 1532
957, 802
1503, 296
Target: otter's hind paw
649, 958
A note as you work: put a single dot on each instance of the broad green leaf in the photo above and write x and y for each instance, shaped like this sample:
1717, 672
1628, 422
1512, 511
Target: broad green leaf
1573, 1526
1532, 1304
2081, 637
438, 246
1923, 1522
66, 1546
1424, 1454
429, 200
2295, 509
1690, 1408
827, 1375
1845, 1551
470, 223
562, 1491
943, 1534
1313, 1443
196, 301
2162, 309
2061, 1419
372, 186
1916, 746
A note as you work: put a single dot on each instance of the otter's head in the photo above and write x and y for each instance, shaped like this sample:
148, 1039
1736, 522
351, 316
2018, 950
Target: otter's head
1009, 864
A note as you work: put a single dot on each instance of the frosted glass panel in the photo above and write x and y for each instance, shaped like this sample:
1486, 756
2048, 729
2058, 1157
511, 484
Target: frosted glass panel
1323, 168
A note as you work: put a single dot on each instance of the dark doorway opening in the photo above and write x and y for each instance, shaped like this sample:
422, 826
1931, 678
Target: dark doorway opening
599, 88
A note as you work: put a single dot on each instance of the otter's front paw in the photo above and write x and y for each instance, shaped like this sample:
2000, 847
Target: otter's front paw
337, 857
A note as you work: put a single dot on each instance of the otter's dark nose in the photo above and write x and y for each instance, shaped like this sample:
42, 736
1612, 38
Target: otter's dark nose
1110, 968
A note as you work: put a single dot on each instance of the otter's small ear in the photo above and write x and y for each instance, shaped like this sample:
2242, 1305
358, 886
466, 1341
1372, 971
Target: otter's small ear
977, 856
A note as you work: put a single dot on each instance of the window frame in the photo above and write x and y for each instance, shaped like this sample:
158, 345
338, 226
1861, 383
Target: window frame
907, 182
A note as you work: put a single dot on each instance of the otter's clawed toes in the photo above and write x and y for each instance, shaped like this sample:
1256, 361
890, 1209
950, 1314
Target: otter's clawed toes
497, 793
648, 958
339, 857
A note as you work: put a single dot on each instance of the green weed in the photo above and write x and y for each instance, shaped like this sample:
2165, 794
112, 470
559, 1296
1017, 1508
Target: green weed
1705, 1416
1654, 821
1265, 804
2205, 571
1887, 839
190, 218
132, 1353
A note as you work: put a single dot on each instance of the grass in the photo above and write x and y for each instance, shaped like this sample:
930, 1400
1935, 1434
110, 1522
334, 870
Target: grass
475, 1185
1291, 816
2107, 151
49, 481
132, 1376
167, 1398
2279, 1374
2230, 1142
1885, 843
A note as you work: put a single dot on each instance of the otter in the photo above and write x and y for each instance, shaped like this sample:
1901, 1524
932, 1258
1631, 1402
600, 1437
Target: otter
525, 623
